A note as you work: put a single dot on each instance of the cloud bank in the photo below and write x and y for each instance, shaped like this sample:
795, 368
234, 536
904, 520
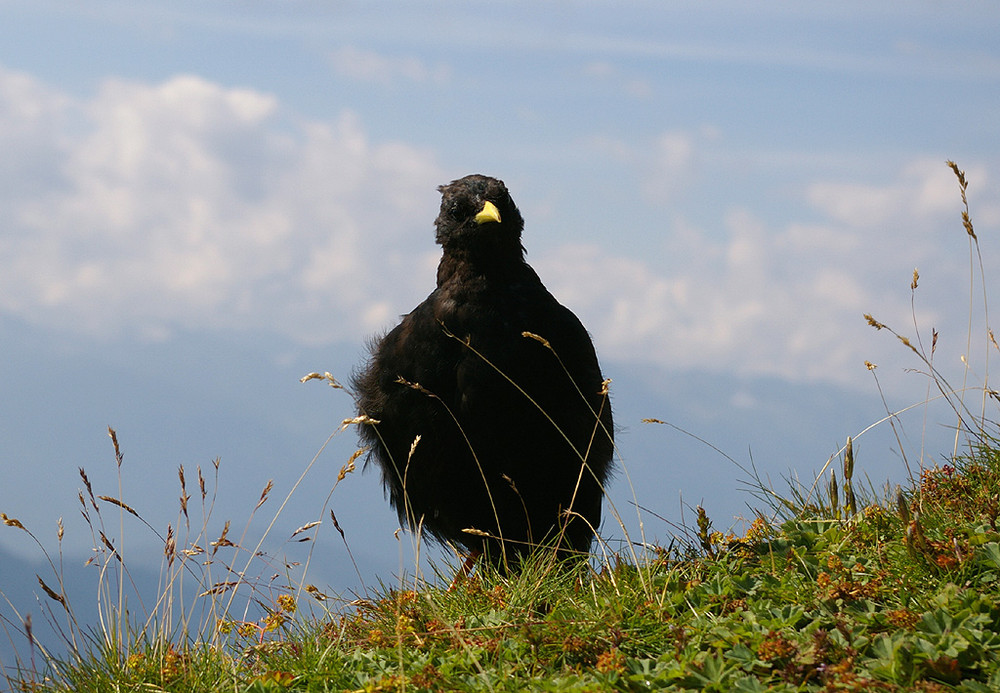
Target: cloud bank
148, 208
145, 209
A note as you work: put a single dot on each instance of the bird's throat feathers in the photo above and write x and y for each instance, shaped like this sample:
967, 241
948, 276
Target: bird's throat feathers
467, 263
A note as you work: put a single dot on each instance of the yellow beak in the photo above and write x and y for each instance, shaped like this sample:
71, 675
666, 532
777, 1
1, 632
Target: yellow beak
488, 213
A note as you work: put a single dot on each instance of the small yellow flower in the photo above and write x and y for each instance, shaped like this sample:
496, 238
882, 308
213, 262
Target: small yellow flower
287, 603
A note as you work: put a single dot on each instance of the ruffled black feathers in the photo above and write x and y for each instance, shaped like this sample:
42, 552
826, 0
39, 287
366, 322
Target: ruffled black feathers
489, 438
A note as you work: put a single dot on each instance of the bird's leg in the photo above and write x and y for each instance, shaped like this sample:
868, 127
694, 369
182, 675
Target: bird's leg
462, 574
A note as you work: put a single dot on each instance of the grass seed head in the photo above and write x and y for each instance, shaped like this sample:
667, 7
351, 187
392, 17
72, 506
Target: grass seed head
265, 493
326, 376
52, 594
120, 504
170, 546
114, 441
537, 338
307, 526
873, 322
13, 522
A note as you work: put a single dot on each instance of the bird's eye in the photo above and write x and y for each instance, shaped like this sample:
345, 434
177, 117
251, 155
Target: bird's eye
457, 210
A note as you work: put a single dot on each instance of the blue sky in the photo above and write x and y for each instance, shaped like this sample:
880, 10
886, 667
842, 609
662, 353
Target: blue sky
202, 202
184, 162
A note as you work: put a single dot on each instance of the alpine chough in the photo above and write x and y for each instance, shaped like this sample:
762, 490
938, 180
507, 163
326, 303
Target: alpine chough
487, 411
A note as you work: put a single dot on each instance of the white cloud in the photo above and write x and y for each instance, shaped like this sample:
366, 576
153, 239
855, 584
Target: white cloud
786, 300
146, 209
187, 204
665, 165
922, 188
607, 74
669, 166
370, 66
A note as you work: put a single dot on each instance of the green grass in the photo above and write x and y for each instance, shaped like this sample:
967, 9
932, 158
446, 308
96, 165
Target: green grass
902, 596
830, 588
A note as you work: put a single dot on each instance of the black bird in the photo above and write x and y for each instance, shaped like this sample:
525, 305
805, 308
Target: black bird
489, 409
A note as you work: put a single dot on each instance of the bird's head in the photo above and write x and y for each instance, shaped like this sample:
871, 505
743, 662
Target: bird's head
477, 216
